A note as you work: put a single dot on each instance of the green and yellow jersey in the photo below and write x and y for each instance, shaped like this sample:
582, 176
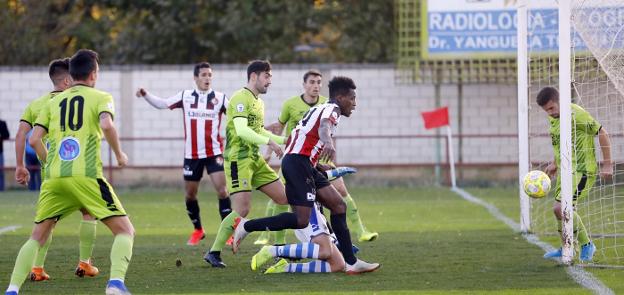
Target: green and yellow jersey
584, 128
32, 111
72, 119
293, 110
246, 104
34, 108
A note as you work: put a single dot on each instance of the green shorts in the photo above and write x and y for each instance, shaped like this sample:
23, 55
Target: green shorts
583, 184
247, 174
59, 197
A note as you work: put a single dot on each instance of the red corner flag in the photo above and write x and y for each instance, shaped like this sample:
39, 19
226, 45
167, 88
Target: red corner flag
436, 118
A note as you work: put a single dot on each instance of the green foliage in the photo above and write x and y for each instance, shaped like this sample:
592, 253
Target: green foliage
173, 32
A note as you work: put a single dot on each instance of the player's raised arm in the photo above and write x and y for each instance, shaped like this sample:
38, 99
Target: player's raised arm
158, 102
110, 133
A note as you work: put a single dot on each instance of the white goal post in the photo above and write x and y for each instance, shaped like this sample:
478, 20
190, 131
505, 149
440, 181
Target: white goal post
585, 62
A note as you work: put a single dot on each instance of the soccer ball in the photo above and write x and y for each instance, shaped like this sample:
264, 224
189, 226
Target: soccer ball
536, 184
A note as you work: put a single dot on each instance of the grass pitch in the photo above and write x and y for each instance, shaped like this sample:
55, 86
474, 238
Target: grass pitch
431, 242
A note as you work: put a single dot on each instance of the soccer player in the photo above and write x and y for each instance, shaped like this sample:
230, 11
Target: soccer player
203, 110
59, 74
245, 168
292, 112
310, 141
316, 243
74, 122
584, 165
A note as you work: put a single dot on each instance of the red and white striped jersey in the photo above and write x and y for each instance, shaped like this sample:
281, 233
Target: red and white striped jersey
304, 139
203, 111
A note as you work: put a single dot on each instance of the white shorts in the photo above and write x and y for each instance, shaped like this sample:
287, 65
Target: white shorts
316, 227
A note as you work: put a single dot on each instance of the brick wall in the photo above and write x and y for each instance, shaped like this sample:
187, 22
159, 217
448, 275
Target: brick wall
383, 108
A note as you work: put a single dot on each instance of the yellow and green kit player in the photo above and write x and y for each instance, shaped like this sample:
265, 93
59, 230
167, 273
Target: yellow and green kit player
245, 168
74, 122
59, 74
584, 165
292, 112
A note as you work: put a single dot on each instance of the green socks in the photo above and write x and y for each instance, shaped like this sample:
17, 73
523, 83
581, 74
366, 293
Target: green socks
579, 230
225, 231
87, 238
24, 262
121, 253
43, 251
354, 216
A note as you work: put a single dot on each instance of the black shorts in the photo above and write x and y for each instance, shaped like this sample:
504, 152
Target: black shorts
302, 180
193, 168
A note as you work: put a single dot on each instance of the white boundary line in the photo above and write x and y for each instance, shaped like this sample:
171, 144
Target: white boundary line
583, 278
9, 228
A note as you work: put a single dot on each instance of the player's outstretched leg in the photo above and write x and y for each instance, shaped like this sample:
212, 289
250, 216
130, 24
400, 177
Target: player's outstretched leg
363, 234
280, 236
330, 198
315, 266
27, 254
23, 264
263, 239
225, 231
297, 251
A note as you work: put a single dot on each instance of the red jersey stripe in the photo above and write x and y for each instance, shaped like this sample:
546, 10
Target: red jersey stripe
193, 139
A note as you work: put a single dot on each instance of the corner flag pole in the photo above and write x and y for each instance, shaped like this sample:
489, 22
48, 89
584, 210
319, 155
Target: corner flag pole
451, 155
439, 118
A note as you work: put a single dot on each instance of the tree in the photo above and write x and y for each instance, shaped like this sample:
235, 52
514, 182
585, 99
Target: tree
173, 32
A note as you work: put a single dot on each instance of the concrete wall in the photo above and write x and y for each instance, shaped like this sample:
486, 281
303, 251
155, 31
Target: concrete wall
384, 108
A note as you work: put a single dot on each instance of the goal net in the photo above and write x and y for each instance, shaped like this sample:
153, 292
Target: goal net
597, 82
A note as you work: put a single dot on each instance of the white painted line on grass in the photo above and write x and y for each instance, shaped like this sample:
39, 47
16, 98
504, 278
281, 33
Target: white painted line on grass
577, 273
9, 228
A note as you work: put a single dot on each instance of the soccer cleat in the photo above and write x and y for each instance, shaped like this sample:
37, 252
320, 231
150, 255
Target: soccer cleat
368, 236
116, 287
239, 233
279, 267
38, 274
214, 258
555, 254
86, 269
262, 257
196, 236
361, 266
10, 293
587, 252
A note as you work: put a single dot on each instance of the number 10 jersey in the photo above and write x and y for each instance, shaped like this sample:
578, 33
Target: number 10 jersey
72, 120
